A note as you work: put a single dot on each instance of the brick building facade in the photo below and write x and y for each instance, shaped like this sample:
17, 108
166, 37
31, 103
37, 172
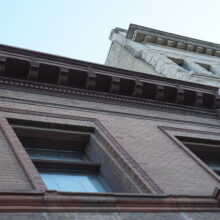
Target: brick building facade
151, 143
165, 54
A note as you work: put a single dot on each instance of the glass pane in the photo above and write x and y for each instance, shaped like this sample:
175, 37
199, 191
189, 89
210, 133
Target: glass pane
74, 182
50, 182
48, 154
70, 156
215, 165
33, 154
185, 67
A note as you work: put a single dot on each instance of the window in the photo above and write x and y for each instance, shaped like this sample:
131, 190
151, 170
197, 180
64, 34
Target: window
180, 63
206, 149
67, 170
59, 154
206, 66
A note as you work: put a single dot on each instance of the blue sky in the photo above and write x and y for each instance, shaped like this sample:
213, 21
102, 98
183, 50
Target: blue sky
80, 28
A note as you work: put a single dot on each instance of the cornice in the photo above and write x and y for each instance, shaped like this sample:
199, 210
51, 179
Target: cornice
147, 35
61, 91
51, 59
39, 71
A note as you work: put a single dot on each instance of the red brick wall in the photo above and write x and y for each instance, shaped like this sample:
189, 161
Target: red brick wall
136, 130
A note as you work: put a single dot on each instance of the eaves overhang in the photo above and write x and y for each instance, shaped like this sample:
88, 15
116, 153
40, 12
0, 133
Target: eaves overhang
40, 71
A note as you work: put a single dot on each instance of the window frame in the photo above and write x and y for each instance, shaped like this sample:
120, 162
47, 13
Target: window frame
205, 149
181, 63
132, 177
79, 140
173, 132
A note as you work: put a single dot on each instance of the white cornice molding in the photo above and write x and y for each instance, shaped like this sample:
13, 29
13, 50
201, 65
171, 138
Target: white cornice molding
143, 34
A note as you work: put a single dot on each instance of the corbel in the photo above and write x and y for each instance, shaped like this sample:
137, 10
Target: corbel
138, 89
218, 113
91, 80
115, 84
179, 96
63, 76
33, 71
216, 103
159, 92
198, 99
2, 64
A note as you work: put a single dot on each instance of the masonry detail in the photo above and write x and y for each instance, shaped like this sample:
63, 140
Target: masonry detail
138, 139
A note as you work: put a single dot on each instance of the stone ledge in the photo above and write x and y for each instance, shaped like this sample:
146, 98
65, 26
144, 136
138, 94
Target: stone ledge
107, 202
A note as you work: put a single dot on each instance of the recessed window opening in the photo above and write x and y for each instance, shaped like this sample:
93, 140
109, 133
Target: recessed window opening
207, 67
206, 149
180, 63
59, 156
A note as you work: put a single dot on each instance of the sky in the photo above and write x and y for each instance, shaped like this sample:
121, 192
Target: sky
80, 29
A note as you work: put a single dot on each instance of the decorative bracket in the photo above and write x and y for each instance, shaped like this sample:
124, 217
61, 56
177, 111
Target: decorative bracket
115, 85
33, 71
159, 92
91, 81
63, 76
198, 99
138, 89
217, 103
2, 64
179, 96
